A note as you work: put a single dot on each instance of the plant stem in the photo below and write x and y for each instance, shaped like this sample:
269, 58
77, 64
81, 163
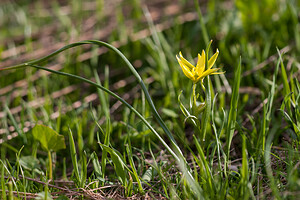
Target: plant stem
50, 165
194, 96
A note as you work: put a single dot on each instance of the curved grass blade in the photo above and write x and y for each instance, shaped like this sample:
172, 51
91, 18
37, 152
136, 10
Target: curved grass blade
134, 72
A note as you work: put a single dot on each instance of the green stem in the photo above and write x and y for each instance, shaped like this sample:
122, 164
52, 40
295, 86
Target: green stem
194, 96
10, 191
46, 191
50, 165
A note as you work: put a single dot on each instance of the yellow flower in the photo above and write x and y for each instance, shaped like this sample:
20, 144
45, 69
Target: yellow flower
198, 73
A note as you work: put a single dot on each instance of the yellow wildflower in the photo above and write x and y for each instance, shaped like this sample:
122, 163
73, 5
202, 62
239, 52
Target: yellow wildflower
198, 73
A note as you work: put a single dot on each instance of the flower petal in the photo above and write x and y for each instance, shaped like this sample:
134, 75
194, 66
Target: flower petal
200, 67
185, 62
218, 73
213, 59
185, 69
207, 72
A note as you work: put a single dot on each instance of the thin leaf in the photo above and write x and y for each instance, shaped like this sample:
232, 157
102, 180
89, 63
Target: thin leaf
233, 107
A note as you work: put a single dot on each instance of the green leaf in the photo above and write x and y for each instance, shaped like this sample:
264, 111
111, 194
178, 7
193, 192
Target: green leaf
148, 175
29, 162
42, 196
96, 165
233, 107
118, 163
169, 112
49, 139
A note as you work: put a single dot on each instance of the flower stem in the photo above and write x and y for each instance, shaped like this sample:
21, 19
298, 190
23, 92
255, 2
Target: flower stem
194, 95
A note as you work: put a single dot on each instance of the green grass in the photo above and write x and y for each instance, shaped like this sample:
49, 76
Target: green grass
126, 111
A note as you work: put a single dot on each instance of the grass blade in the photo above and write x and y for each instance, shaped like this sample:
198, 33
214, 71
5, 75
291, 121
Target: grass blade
233, 107
74, 155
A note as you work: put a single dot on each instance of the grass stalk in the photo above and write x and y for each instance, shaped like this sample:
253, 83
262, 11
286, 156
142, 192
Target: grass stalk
3, 188
74, 156
202, 24
267, 160
233, 108
15, 124
105, 106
